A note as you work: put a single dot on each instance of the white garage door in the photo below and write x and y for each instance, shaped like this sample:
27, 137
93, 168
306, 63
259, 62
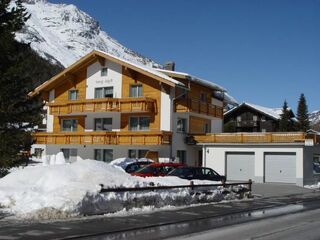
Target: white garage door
240, 166
280, 167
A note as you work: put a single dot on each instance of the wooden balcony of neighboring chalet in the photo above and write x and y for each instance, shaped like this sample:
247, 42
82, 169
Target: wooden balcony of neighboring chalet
192, 105
142, 104
247, 138
109, 138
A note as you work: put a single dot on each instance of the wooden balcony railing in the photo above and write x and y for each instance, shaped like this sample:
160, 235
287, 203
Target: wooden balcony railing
143, 104
284, 137
109, 138
191, 105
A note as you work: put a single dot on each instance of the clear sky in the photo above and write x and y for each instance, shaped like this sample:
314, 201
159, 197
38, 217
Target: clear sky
261, 51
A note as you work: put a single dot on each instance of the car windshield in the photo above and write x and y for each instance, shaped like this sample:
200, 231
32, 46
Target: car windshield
146, 169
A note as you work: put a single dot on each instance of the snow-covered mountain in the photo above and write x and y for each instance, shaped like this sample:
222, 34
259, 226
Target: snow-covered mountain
62, 34
314, 118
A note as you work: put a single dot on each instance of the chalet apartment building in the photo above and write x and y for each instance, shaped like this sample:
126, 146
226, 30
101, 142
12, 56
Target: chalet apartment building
103, 107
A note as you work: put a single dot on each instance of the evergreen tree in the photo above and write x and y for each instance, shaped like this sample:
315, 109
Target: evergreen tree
302, 114
18, 112
285, 124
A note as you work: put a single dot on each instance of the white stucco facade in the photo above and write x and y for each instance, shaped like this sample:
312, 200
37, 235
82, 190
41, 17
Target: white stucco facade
112, 79
214, 156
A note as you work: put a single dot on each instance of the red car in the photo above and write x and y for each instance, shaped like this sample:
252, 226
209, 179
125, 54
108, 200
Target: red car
156, 169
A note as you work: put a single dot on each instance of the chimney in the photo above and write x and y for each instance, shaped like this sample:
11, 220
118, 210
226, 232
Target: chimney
170, 65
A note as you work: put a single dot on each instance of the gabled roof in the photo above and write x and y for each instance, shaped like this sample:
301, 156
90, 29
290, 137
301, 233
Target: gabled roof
93, 56
274, 113
183, 75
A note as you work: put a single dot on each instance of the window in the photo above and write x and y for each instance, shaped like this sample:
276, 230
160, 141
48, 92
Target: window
316, 163
139, 123
207, 128
73, 95
38, 152
103, 124
104, 72
182, 125
203, 97
182, 156
137, 153
105, 155
105, 92
136, 90
69, 125
70, 154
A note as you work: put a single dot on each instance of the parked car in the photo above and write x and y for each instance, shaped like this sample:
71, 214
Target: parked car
156, 169
200, 173
131, 164
135, 166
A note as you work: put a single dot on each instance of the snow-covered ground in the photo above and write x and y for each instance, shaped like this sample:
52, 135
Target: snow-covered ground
313, 186
73, 189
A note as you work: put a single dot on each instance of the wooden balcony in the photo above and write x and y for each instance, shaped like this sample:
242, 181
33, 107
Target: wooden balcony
108, 138
283, 137
145, 105
191, 105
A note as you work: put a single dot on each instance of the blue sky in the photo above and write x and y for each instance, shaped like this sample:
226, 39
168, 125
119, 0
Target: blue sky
262, 52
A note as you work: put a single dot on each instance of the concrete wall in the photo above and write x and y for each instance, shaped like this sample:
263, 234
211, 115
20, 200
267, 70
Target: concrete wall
215, 157
166, 109
87, 151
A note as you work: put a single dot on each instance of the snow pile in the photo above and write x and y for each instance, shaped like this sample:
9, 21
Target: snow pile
124, 162
58, 191
314, 186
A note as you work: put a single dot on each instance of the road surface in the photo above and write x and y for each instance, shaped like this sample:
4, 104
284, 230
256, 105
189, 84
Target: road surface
205, 221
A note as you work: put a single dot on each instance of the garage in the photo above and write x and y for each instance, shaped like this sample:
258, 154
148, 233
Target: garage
240, 166
280, 167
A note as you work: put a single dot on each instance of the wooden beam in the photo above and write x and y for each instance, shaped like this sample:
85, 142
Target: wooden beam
101, 60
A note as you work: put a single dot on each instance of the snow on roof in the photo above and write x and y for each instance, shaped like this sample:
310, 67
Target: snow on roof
194, 79
143, 67
230, 100
271, 112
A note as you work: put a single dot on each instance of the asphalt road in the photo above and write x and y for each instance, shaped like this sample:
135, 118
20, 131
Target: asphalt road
163, 224
301, 225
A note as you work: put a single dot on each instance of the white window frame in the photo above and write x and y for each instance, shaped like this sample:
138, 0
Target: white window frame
182, 129
73, 127
103, 92
102, 153
104, 72
137, 153
103, 120
139, 127
69, 154
135, 93
70, 94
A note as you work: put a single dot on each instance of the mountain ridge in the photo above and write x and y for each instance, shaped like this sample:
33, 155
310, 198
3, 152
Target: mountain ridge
62, 33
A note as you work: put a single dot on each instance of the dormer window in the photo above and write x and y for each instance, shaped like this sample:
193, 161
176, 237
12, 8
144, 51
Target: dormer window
104, 71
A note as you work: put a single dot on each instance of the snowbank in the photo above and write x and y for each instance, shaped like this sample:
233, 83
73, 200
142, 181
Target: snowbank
314, 186
64, 190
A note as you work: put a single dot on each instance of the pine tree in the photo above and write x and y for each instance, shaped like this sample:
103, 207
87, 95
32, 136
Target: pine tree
18, 112
285, 124
302, 114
